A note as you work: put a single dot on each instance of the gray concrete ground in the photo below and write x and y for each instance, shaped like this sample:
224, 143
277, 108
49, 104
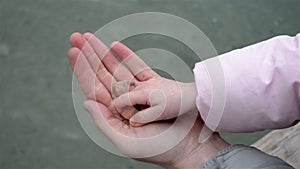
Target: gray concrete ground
38, 125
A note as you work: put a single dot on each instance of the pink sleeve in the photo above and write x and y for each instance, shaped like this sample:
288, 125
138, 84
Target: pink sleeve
261, 87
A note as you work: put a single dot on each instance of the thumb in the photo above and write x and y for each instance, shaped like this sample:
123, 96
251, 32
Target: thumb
148, 115
105, 121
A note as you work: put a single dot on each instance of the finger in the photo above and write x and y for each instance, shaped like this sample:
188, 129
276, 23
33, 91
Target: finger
129, 141
73, 56
146, 116
105, 121
90, 85
100, 70
76, 40
87, 35
135, 64
130, 99
113, 65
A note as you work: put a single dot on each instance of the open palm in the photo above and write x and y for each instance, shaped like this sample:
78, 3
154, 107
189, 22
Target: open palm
96, 69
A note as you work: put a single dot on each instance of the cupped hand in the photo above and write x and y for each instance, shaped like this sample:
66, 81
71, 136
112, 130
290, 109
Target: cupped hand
96, 70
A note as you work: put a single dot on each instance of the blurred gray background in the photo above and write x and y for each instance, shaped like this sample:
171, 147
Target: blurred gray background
38, 125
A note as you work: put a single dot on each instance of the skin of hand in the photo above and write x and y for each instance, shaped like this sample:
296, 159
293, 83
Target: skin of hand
96, 69
166, 98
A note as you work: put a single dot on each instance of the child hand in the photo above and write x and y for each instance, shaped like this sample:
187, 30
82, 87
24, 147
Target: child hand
166, 98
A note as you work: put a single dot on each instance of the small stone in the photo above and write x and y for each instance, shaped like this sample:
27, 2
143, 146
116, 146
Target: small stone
118, 89
128, 112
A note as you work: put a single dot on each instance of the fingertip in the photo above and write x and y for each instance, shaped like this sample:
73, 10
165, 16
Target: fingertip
73, 54
135, 119
87, 35
72, 51
113, 44
135, 124
87, 106
88, 102
75, 34
74, 37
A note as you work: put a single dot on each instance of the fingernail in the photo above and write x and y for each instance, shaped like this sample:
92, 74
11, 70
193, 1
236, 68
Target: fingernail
135, 124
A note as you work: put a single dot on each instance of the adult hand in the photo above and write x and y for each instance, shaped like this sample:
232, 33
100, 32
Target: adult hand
95, 68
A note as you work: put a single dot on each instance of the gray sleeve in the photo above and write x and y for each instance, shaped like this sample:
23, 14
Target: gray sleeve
244, 157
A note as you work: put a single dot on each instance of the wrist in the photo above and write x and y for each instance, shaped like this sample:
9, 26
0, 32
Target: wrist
188, 97
198, 155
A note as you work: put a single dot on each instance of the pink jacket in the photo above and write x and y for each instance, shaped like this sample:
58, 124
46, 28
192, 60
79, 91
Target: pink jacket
262, 87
